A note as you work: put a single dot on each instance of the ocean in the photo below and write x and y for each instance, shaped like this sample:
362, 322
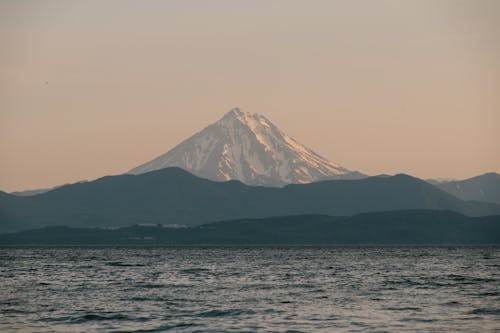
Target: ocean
250, 289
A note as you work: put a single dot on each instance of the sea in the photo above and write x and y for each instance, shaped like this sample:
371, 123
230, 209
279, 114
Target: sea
250, 289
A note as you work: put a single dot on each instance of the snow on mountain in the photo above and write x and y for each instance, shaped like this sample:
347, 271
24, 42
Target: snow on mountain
249, 148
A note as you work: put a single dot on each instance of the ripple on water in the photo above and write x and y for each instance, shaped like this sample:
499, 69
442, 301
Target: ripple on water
485, 311
224, 313
92, 317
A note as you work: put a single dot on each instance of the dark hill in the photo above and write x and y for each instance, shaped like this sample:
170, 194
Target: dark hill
174, 196
422, 227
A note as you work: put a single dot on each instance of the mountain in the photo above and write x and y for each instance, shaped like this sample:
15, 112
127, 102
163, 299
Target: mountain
481, 188
249, 148
174, 196
27, 193
437, 181
397, 227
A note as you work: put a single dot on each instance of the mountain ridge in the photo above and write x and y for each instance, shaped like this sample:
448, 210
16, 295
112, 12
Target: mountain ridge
175, 196
485, 187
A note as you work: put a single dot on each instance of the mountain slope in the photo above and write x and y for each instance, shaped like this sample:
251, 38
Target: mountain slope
174, 196
249, 148
481, 188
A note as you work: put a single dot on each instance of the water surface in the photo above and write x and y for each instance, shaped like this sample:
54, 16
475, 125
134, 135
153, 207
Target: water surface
249, 289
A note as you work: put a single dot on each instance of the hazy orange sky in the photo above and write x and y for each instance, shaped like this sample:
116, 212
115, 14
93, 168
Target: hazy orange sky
91, 88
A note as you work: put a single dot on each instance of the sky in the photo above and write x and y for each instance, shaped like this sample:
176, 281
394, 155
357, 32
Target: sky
93, 88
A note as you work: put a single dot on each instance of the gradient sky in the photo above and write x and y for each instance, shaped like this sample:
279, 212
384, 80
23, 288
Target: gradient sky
91, 88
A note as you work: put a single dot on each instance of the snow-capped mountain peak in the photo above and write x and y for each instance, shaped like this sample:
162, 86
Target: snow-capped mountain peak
250, 148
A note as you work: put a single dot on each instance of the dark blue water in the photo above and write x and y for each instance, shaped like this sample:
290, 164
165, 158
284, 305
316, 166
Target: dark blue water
250, 289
